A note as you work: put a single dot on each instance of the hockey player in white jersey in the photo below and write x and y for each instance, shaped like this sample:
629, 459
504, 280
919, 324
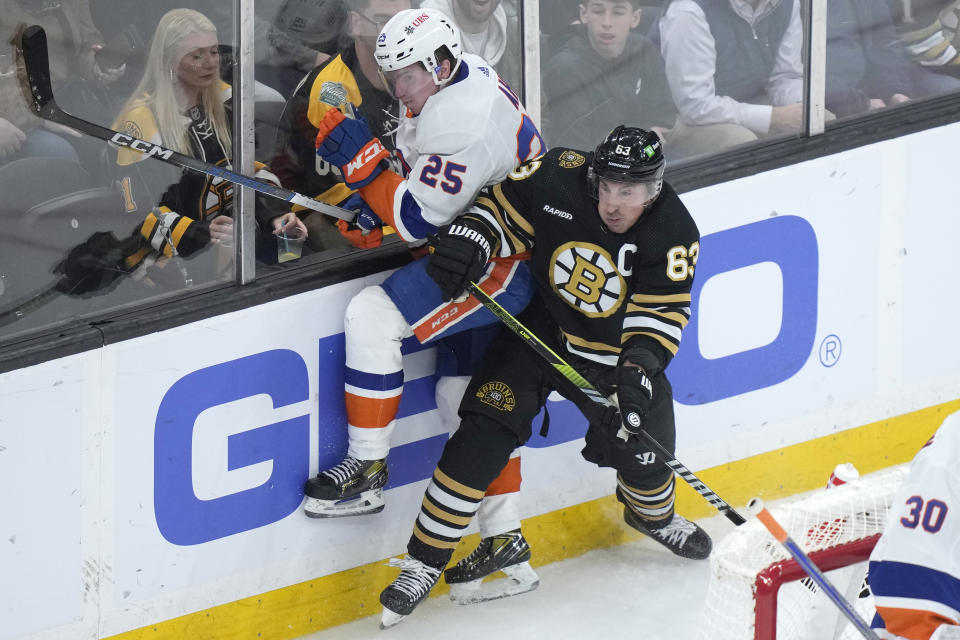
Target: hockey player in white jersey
461, 128
914, 570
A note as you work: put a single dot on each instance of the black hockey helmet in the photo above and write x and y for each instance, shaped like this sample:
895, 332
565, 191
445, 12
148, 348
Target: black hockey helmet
628, 154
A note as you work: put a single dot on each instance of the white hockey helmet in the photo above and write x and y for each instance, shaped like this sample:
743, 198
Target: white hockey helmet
415, 35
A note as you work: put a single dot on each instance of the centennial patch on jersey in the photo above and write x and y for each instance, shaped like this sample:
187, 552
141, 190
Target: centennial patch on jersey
497, 395
571, 159
586, 278
131, 128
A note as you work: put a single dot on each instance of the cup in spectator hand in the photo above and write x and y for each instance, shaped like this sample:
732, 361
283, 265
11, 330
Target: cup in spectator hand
290, 243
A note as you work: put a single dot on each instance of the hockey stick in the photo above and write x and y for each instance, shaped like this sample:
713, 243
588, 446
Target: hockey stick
756, 507
33, 45
591, 392
28, 304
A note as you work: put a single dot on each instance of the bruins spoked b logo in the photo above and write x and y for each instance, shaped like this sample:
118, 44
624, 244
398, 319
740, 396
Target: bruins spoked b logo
585, 277
497, 395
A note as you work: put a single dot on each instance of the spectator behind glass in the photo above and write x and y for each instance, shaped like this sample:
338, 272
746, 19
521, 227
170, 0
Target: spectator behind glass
302, 35
604, 75
734, 69
928, 31
296, 161
179, 103
73, 42
866, 66
489, 29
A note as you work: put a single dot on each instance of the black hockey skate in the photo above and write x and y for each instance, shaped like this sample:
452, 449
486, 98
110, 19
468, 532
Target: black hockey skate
507, 552
351, 488
684, 538
410, 588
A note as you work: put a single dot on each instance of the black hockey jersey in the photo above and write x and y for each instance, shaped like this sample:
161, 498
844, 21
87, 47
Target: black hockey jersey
295, 160
601, 288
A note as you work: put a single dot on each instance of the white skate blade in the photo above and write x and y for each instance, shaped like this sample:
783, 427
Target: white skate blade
389, 618
520, 579
366, 503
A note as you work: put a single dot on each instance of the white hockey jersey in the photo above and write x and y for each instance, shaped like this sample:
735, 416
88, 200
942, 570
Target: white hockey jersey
915, 568
471, 133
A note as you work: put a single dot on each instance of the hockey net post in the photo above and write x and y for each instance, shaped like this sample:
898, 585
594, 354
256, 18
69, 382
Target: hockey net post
758, 592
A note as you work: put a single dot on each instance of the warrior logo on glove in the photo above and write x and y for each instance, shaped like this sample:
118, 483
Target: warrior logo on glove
471, 234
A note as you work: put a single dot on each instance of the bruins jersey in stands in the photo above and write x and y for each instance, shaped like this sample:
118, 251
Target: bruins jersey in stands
295, 161
151, 188
187, 192
601, 288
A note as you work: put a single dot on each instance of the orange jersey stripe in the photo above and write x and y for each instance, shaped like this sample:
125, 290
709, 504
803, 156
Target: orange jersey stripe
371, 413
508, 481
379, 196
453, 312
913, 624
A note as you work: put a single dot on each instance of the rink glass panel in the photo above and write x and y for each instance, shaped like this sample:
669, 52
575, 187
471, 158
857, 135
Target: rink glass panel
52, 205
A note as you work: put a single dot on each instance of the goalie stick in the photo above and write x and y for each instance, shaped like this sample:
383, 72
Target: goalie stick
755, 506
591, 392
33, 46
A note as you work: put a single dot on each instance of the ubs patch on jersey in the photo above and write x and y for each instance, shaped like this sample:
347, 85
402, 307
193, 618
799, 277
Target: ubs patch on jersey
571, 159
497, 395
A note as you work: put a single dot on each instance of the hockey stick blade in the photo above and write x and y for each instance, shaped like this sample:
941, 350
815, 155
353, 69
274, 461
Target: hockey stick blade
36, 61
33, 45
593, 394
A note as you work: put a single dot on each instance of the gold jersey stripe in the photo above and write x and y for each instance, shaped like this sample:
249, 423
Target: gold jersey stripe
179, 229
134, 260
446, 516
667, 344
652, 506
458, 487
515, 216
587, 344
149, 224
430, 540
516, 244
640, 298
675, 316
648, 492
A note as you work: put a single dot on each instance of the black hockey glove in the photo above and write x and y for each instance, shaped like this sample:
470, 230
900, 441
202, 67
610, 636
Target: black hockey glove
459, 254
601, 438
93, 265
635, 395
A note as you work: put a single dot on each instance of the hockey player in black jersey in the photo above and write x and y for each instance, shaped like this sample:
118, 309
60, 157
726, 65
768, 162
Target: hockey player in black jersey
613, 251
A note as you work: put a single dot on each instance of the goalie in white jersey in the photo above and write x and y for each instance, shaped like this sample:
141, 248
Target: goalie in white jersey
915, 567
461, 128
